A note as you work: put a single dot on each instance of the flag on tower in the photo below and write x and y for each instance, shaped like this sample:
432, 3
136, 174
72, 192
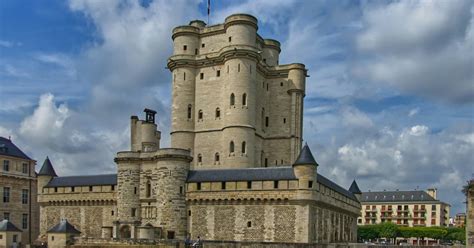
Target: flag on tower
208, 10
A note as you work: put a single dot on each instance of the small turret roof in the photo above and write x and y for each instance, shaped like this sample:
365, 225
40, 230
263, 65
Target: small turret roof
354, 189
47, 169
64, 227
305, 157
7, 226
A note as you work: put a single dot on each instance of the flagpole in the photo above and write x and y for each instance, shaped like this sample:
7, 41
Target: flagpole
208, 11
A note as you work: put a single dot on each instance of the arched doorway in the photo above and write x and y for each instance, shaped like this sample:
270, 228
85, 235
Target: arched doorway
125, 232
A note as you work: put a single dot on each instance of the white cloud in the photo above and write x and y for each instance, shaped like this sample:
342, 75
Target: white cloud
354, 118
418, 130
413, 112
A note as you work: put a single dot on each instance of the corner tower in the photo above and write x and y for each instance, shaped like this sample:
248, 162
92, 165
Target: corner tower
45, 174
234, 105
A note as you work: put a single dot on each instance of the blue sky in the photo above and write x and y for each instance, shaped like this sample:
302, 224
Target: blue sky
389, 99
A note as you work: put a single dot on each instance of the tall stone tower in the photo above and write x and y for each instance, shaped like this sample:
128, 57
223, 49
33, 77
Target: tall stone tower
234, 105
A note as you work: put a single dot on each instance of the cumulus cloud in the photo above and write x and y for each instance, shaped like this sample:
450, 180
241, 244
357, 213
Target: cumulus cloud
420, 47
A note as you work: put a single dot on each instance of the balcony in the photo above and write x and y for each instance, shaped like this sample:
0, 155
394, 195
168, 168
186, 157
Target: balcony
370, 217
403, 211
386, 211
419, 210
386, 217
403, 217
419, 217
371, 210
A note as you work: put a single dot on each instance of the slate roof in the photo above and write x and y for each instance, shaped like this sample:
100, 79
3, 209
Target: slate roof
9, 149
64, 227
397, 196
47, 169
305, 157
7, 226
354, 189
106, 179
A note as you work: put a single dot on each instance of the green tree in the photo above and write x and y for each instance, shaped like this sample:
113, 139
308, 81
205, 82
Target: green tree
367, 232
388, 230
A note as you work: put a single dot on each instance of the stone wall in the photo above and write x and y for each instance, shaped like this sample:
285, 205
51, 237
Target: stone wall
470, 215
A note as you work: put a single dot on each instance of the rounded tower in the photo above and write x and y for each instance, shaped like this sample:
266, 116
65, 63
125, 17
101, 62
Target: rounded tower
241, 29
305, 168
271, 52
297, 81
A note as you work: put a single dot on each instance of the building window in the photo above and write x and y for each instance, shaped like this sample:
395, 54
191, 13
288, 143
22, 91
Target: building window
135, 190
232, 99
73, 189
25, 168
216, 157
200, 115
281, 84
184, 76
190, 108
244, 99
6, 165
266, 162
231, 147
6, 216
222, 185
266, 121
218, 73
112, 187
180, 189
189, 212
185, 47
249, 184
24, 196
244, 147
230, 38
198, 186
284, 120
24, 221
267, 86
199, 158
310, 184
148, 189
52, 238
170, 235
55, 189
203, 45
91, 188
249, 224
265, 61
218, 113
195, 51
275, 184
112, 213
227, 69
134, 212
238, 68
6, 194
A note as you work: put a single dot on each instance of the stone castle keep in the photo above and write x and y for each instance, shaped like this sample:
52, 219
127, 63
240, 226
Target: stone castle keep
236, 171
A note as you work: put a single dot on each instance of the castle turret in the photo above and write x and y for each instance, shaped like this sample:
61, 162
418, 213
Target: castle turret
144, 134
305, 168
354, 189
45, 174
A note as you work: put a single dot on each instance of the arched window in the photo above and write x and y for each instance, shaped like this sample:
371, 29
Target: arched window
216, 157
200, 115
244, 146
199, 158
218, 113
231, 147
190, 108
244, 99
148, 189
232, 99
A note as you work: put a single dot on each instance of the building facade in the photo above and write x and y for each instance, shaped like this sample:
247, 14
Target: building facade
236, 171
470, 214
460, 220
18, 190
405, 208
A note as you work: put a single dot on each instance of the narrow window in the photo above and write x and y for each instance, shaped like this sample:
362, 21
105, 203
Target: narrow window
112, 187
263, 117
198, 186
25, 168
275, 184
195, 51
190, 107
135, 190
180, 189
24, 221
134, 212
52, 238
249, 224
55, 189
244, 146
218, 112
24, 196
216, 157
238, 67
184, 75
199, 158
244, 99
230, 38
265, 61
201, 75
218, 73
266, 121
231, 147
250, 69
148, 189
281, 161
227, 69
266, 162
73, 189
249, 184
284, 120
185, 47
203, 45
222, 185
310, 184
6, 165
281, 84
90, 188
267, 86
200, 115
232, 99
112, 213
6, 194
189, 212
276, 162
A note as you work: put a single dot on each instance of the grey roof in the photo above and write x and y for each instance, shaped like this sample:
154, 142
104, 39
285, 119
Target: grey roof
396, 196
106, 179
354, 189
64, 227
248, 174
47, 169
305, 157
7, 226
9, 149
332, 185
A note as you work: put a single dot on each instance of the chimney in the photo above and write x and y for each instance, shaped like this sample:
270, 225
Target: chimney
432, 192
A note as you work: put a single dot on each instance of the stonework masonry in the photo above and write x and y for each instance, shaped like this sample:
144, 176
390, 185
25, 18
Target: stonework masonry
236, 172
